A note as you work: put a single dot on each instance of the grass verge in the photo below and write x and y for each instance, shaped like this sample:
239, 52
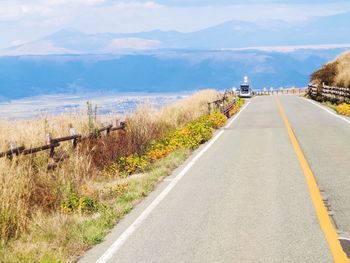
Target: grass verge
63, 237
341, 109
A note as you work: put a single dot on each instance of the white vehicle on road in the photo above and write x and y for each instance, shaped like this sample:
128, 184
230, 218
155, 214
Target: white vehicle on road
245, 91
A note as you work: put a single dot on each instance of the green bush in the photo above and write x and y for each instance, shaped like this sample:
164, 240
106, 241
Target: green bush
82, 204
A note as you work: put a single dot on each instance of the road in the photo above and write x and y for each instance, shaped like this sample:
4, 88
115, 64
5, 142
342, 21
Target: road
246, 197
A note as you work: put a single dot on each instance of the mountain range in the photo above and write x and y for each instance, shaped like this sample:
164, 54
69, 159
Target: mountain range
271, 52
156, 71
233, 34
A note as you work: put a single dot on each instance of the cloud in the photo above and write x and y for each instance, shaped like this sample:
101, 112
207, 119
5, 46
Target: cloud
18, 9
41, 48
74, 2
133, 43
32, 19
240, 2
14, 11
18, 42
138, 5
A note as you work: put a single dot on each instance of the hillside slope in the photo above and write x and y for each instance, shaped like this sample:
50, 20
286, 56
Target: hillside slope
334, 73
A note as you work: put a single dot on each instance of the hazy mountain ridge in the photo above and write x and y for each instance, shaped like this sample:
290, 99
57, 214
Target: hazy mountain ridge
156, 71
231, 34
71, 61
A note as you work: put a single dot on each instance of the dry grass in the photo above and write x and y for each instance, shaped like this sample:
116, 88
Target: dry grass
343, 68
33, 132
334, 73
147, 124
32, 225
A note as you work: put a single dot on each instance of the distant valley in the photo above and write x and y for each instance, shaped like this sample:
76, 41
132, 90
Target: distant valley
271, 52
156, 71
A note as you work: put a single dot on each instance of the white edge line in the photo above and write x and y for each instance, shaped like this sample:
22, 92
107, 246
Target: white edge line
327, 110
134, 226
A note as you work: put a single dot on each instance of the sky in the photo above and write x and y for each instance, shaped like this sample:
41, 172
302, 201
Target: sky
27, 20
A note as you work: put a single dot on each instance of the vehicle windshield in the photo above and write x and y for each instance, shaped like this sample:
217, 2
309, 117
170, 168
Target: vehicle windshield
244, 88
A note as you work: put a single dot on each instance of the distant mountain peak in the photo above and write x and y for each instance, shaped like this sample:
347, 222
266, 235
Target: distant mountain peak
65, 32
231, 34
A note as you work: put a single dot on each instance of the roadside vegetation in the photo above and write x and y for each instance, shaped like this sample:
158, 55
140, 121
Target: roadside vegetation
335, 73
56, 215
343, 109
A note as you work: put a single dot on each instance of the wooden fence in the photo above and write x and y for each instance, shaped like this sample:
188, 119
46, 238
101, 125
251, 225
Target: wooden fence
223, 104
53, 143
329, 93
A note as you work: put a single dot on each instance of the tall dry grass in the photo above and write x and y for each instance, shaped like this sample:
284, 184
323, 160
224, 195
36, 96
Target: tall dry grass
343, 70
334, 73
16, 183
147, 124
27, 188
33, 132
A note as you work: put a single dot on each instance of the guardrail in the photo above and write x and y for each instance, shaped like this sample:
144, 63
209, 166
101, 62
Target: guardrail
219, 104
329, 93
280, 91
53, 143
224, 105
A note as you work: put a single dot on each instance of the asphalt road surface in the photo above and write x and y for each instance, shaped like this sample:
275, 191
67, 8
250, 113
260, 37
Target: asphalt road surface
245, 198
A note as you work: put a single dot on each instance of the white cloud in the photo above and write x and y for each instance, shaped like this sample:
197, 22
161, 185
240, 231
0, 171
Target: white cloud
32, 19
41, 48
18, 42
136, 5
133, 43
74, 2
14, 11
17, 10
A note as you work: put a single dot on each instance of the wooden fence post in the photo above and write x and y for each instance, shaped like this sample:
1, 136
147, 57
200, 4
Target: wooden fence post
13, 146
72, 132
51, 144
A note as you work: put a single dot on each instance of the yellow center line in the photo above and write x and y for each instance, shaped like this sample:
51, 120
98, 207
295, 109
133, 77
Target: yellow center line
321, 211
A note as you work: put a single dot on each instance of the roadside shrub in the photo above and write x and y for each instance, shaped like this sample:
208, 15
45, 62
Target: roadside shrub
132, 163
121, 188
326, 74
240, 102
190, 136
160, 150
111, 170
103, 151
343, 109
215, 120
81, 204
335, 73
194, 134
